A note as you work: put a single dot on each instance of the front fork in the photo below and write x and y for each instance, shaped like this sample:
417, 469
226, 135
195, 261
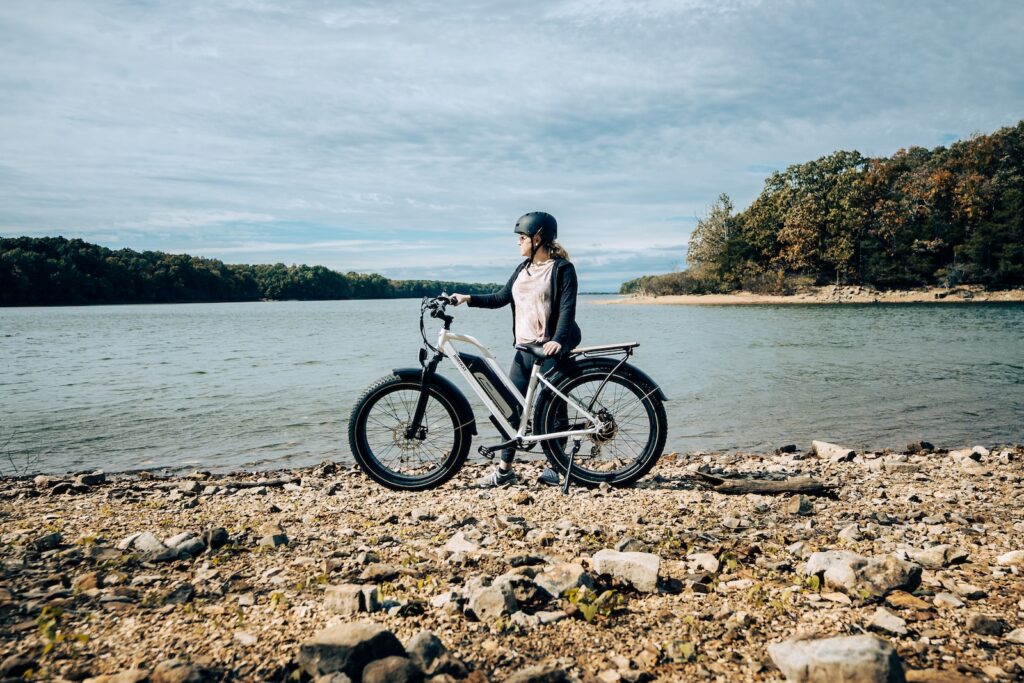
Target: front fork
415, 430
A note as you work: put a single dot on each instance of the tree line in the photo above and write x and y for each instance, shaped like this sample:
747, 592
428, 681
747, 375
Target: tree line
48, 271
945, 216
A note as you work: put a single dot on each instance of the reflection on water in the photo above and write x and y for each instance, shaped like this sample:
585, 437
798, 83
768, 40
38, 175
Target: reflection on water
261, 385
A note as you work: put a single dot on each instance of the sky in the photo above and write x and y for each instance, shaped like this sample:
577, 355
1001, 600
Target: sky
406, 138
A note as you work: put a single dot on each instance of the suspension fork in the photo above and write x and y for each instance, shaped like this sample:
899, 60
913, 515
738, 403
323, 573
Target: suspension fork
415, 430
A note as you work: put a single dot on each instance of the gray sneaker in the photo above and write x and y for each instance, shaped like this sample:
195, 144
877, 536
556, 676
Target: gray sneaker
496, 478
549, 477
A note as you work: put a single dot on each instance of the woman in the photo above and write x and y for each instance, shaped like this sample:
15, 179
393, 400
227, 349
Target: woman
542, 292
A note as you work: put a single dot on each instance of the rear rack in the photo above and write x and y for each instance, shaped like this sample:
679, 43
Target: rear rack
605, 349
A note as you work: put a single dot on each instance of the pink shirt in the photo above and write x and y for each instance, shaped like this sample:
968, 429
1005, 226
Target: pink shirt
531, 293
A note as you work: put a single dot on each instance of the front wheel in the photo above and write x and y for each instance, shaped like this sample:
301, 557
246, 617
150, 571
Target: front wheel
635, 426
376, 435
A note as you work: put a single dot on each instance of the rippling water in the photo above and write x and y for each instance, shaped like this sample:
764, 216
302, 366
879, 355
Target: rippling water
263, 385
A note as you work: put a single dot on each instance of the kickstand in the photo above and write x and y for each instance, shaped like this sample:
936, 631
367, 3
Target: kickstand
576, 443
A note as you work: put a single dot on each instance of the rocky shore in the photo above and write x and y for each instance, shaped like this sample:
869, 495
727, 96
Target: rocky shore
909, 566
838, 295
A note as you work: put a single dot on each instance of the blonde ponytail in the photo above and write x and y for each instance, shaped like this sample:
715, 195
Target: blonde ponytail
558, 251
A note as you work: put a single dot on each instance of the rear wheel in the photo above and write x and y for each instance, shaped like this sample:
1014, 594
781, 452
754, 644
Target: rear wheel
635, 426
376, 435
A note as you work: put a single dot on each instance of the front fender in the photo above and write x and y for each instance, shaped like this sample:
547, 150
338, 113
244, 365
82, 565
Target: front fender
447, 387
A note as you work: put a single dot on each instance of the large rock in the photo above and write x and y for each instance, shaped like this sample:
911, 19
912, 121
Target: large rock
844, 659
493, 602
348, 648
562, 577
392, 670
638, 569
863, 577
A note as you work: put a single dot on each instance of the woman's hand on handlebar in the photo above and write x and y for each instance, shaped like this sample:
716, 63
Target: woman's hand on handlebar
459, 299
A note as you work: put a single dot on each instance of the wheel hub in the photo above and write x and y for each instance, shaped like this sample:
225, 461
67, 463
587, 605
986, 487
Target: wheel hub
609, 430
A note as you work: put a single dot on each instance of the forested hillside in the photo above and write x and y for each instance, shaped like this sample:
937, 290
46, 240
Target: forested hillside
944, 216
58, 271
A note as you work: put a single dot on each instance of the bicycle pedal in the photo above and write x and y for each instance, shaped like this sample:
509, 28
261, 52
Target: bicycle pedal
486, 452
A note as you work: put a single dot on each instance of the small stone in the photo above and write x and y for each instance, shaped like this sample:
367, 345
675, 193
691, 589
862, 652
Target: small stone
148, 543
394, 669
190, 548
884, 620
630, 545
1016, 636
345, 600
985, 625
180, 594
176, 671
562, 577
704, 562
245, 638
981, 451
522, 498
379, 573
862, 577
860, 659
14, 667
539, 674
970, 591
490, 603
800, 505
424, 648
347, 648
91, 479
87, 581
938, 556
459, 544
638, 569
216, 538
47, 542
1012, 558
127, 541
947, 600
904, 600
126, 676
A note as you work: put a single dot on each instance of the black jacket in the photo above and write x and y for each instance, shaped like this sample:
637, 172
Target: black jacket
561, 326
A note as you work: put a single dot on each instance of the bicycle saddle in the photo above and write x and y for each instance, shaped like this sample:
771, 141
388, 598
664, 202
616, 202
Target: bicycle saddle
535, 350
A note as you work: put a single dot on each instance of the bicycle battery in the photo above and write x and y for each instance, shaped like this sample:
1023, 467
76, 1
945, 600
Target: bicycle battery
496, 390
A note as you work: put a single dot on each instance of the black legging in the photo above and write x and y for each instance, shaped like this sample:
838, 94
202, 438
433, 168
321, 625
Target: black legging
519, 373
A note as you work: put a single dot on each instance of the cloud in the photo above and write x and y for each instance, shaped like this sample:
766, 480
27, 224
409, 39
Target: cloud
265, 128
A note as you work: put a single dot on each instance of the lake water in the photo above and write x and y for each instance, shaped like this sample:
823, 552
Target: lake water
268, 385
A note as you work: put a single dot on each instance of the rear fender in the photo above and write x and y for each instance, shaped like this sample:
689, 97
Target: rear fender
448, 388
571, 366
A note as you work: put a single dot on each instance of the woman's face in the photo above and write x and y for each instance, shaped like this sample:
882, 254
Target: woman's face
524, 243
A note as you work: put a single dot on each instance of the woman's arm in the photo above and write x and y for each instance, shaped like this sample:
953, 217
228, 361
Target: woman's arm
566, 304
503, 297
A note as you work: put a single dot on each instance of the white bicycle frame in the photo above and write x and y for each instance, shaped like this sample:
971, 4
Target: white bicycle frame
445, 345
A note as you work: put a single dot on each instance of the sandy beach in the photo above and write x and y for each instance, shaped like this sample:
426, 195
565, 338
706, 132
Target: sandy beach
832, 295
284, 575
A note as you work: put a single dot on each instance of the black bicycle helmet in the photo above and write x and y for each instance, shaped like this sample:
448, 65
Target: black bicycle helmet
535, 222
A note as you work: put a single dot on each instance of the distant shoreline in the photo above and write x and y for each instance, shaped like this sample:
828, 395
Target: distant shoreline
832, 295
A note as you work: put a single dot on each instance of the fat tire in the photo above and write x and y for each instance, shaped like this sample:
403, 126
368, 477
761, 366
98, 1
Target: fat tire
373, 468
545, 415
